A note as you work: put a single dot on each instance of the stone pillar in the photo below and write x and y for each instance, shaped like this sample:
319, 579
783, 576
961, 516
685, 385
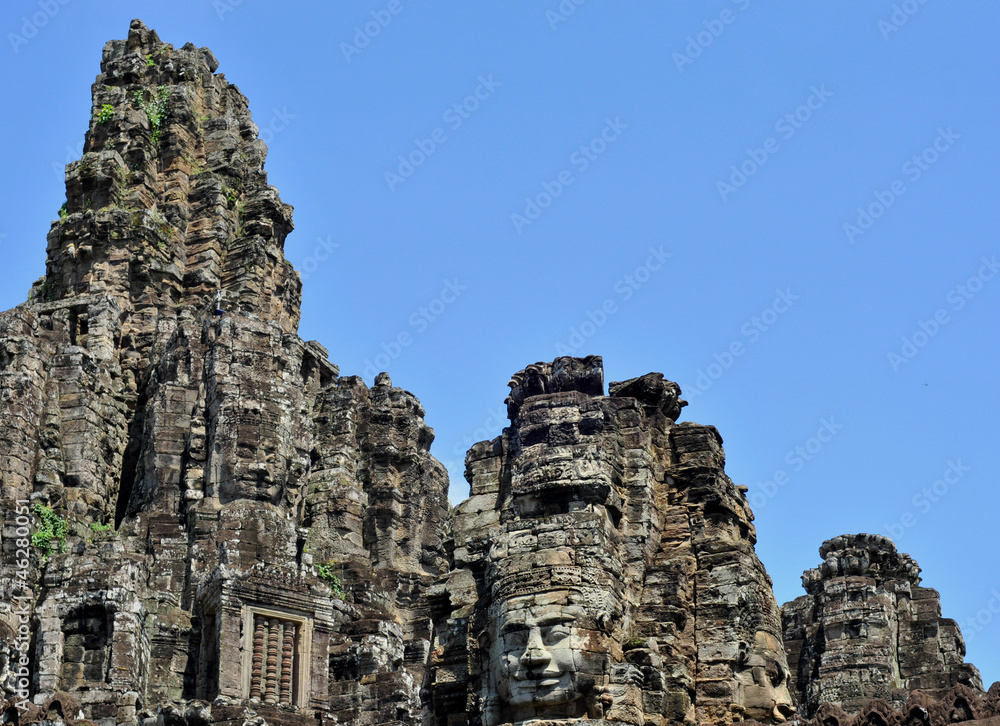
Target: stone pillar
287, 661
256, 674
271, 661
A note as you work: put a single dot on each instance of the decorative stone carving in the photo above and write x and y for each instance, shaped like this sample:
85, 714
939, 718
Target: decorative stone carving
277, 657
551, 657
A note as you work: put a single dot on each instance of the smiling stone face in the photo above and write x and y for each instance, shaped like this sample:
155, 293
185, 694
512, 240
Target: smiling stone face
763, 675
549, 658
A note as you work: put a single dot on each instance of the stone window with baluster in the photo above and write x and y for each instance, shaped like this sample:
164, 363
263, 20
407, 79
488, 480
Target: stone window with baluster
276, 656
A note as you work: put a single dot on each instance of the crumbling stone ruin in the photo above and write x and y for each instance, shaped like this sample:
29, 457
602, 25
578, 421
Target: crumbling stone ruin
205, 523
867, 629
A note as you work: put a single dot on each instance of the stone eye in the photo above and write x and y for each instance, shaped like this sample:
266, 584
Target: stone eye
556, 632
514, 633
776, 674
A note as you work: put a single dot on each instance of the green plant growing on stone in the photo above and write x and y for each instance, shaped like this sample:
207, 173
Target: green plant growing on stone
155, 109
102, 531
327, 575
51, 534
196, 166
63, 212
149, 60
106, 113
42, 293
163, 226
241, 208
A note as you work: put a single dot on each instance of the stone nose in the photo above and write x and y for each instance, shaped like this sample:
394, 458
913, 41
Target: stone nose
782, 712
535, 654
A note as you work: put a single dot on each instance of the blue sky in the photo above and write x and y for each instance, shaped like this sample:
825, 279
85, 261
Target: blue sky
789, 209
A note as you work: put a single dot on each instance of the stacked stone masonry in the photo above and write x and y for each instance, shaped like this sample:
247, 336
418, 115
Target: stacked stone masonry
867, 629
228, 531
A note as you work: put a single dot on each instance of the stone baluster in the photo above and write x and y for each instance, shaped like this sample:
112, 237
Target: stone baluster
258, 657
287, 655
271, 686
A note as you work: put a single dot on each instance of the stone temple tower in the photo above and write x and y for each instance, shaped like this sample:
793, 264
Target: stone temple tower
867, 629
604, 567
221, 519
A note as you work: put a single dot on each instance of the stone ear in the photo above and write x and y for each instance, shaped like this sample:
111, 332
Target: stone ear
741, 656
484, 640
604, 623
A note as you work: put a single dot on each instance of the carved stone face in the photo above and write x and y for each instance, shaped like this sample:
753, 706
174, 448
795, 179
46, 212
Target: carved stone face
763, 676
548, 657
